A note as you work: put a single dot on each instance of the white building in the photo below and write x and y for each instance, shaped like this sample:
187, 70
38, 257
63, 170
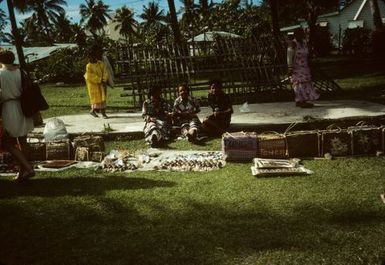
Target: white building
356, 14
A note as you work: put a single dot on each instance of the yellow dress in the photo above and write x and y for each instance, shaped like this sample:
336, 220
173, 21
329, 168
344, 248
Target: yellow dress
96, 77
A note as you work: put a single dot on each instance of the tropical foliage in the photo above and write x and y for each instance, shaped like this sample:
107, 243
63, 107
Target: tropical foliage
47, 21
126, 23
94, 16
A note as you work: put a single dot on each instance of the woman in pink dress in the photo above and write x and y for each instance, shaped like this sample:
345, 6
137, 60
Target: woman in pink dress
299, 71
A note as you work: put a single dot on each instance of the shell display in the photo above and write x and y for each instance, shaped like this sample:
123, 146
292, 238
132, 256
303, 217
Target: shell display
193, 162
122, 160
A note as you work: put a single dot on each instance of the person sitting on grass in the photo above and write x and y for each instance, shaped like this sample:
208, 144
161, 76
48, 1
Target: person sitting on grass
156, 113
185, 114
219, 121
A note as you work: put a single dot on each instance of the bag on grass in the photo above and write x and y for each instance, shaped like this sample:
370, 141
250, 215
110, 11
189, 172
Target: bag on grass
31, 99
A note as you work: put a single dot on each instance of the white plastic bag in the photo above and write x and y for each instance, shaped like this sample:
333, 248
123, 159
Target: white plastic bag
55, 130
244, 107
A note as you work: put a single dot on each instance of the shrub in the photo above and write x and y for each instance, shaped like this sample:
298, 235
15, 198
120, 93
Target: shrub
323, 43
65, 65
356, 41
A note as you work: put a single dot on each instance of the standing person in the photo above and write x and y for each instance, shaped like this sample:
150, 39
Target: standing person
220, 103
156, 113
16, 125
96, 77
299, 71
185, 114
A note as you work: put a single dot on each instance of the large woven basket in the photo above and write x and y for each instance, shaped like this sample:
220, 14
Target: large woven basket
58, 150
239, 146
303, 143
272, 145
366, 139
337, 142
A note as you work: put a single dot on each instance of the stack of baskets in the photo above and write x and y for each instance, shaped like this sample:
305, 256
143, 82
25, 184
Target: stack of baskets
361, 139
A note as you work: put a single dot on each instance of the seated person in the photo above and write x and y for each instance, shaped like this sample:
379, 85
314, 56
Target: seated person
156, 113
218, 122
185, 114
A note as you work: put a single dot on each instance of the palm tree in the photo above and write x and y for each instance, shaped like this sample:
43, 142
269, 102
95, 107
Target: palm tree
94, 16
44, 12
126, 23
174, 22
152, 15
204, 9
190, 18
63, 28
15, 32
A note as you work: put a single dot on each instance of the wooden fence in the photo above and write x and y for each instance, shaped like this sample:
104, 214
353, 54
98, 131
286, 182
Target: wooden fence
251, 70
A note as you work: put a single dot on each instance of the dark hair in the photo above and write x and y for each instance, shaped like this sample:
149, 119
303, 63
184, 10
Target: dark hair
216, 82
183, 85
6, 57
153, 90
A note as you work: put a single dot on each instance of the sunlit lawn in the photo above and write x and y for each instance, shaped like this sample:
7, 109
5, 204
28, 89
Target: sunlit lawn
334, 216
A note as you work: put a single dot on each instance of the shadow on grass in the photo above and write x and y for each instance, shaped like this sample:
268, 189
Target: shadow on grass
143, 231
75, 186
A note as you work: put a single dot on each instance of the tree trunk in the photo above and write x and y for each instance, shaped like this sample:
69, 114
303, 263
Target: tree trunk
376, 15
174, 23
16, 35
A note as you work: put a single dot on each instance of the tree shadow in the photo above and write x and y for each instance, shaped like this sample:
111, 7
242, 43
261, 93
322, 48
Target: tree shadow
75, 186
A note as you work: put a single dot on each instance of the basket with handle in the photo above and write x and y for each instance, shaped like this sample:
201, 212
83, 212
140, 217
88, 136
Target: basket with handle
239, 146
272, 145
336, 141
366, 138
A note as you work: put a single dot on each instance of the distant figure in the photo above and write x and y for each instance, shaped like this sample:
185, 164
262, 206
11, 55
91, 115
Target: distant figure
185, 114
15, 125
220, 103
156, 113
299, 71
96, 77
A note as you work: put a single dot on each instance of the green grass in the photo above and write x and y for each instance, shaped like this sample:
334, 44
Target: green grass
334, 216
227, 216
74, 99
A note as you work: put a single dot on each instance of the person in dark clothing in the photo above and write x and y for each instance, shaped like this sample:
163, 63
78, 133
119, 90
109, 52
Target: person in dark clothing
219, 121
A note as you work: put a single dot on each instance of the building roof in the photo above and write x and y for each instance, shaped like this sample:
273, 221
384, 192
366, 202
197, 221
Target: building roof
32, 54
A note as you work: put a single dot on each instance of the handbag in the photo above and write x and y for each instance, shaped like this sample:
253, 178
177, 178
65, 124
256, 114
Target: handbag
31, 99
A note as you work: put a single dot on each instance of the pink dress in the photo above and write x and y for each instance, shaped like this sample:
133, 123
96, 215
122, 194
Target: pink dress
301, 77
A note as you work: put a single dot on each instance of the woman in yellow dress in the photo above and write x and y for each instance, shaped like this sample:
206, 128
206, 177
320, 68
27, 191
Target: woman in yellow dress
96, 77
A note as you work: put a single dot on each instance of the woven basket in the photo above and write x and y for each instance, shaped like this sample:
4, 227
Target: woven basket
366, 139
37, 151
239, 146
272, 145
337, 142
94, 143
82, 154
97, 156
303, 143
58, 150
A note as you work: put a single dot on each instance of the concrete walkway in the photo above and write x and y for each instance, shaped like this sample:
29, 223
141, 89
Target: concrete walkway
262, 116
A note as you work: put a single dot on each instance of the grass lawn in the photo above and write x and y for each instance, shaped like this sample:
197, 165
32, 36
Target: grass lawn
334, 216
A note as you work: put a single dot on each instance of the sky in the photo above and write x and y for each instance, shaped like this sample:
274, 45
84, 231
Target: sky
72, 8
